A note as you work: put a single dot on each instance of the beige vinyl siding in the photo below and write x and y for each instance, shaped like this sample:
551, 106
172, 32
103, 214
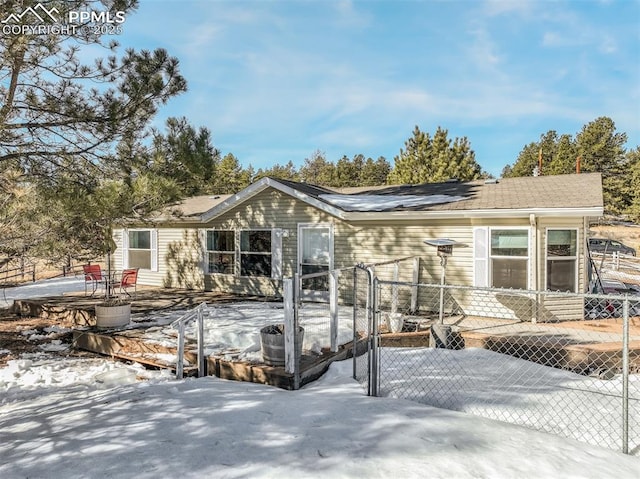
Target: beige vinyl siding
361, 242
372, 242
180, 255
116, 257
180, 259
396, 239
524, 306
366, 242
375, 243
268, 209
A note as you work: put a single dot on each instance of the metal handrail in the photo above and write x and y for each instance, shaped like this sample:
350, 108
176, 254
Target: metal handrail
179, 324
384, 263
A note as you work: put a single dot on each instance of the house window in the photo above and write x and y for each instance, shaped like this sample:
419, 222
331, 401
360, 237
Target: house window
562, 260
221, 251
509, 256
255, 253
139, 250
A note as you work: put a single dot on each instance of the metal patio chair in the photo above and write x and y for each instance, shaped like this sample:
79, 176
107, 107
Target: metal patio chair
128, 280
93, 277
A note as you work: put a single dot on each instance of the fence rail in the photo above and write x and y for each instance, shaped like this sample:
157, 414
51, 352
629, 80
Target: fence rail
22, 272
563, 363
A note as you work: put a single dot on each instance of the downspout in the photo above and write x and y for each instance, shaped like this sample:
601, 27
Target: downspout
586, 263
534, 250
535, 263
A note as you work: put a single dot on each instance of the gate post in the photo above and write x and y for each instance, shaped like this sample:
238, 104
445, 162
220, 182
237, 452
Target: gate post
625, 376
355, 321
289, 326
333, 308
374, 365
201, 359
180, 359
414, 287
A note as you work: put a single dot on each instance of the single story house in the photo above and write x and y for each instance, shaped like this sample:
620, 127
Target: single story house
527, 233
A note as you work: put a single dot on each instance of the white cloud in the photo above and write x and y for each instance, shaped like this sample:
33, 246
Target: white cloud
501, 7
552, 39
608, 45
484, 51
201, 36
349, 16
584, 36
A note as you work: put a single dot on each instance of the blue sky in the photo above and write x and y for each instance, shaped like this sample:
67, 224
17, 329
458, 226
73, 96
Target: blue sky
277, 80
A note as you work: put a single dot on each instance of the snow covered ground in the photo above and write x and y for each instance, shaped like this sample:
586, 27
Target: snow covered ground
69, 417
41, 289
233, 330
492, 385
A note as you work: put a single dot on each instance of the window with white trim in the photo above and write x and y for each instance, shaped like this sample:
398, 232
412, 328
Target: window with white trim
221, 251
562, 259
509, 257
255, 253
244, 253
139, 251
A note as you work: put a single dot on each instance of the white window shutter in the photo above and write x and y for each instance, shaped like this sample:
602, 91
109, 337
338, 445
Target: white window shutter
204, 263
125, 248
154, 250
276, 253
481, 256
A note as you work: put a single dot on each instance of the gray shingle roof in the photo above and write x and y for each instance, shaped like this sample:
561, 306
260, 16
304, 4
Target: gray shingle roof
561, 191
542, 192
190, 208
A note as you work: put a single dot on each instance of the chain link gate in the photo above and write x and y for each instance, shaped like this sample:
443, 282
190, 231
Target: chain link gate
567, 364
363, 326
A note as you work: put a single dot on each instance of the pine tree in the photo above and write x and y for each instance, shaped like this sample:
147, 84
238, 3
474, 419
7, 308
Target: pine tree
375, 173
597, 148
231, 177
317, 170
428, 160
187, 156
347, 172
633, 173
286, 172
70, 125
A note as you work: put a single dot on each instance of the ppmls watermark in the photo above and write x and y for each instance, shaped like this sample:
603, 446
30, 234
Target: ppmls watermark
40, 20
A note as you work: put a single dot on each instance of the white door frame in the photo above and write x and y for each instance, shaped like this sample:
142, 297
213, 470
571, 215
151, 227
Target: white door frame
311, 294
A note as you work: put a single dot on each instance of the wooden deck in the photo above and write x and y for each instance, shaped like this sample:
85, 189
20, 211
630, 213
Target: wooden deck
130, 345
79, 309
579, 346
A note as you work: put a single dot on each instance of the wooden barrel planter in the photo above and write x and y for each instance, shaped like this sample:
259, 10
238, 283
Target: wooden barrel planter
272, 344
112, 316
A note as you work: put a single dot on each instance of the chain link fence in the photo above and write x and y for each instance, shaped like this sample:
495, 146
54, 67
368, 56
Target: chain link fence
362, 325
327, 322
562, 363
